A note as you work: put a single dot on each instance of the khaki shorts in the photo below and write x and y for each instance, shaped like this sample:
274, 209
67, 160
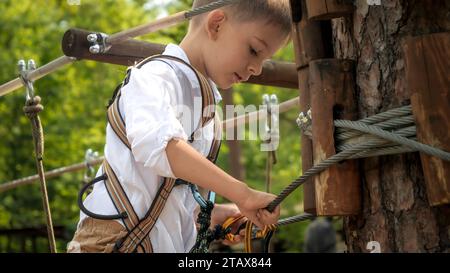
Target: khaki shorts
95, 235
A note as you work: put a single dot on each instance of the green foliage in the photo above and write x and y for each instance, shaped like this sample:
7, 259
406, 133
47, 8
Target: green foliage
74, 117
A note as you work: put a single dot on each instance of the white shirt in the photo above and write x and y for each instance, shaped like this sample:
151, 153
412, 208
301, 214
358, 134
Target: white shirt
150, 107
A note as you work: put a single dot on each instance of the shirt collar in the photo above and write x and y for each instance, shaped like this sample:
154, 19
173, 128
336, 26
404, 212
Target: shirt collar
177, 51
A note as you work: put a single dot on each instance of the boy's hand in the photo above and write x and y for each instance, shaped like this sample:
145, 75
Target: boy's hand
253, 207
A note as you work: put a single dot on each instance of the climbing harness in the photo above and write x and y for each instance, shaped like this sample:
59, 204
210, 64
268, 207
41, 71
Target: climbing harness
137, 238
32, 108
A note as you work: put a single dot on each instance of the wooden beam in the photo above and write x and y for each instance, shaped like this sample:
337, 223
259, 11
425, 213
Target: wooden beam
75, 44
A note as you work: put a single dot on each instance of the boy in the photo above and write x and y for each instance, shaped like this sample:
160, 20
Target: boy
227, 46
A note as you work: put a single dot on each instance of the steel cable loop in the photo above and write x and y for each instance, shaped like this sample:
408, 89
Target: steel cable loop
374, 130
345, 134
405, 132
383, 116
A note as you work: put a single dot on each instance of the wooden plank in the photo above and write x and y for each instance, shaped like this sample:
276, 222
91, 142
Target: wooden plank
328, 9
333, 97
427, 60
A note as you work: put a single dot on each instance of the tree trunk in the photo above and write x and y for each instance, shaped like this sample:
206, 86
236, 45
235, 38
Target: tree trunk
395, 212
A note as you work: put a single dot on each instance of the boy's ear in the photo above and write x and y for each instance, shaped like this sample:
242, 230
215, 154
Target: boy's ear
214, 23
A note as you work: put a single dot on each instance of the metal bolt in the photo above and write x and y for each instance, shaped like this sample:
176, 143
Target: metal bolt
95, 49
92, 37
21, 65
273, 99
31, 64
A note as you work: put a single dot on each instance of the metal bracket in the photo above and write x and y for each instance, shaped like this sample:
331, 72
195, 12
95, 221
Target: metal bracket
98, 43
304, 122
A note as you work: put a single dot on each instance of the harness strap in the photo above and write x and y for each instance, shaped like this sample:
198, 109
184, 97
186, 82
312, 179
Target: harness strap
116, 121
137, 238
139, 233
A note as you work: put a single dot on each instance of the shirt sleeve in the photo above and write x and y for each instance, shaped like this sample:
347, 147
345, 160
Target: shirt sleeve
150, 117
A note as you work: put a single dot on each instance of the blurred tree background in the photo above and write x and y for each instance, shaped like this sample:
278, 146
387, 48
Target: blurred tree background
74, 117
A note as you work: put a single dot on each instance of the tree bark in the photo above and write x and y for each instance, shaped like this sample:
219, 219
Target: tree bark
396, 212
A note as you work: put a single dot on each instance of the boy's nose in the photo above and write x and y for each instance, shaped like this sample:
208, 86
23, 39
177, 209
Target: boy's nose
255, 69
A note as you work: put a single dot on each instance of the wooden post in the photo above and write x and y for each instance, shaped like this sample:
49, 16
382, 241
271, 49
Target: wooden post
309, 44
75, 44
427, 72
328, 9
333, 97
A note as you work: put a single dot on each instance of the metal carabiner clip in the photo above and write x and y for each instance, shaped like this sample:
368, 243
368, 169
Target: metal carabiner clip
24, 70
197, 196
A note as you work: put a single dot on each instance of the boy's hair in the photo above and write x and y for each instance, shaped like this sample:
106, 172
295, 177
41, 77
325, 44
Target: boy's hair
275, 12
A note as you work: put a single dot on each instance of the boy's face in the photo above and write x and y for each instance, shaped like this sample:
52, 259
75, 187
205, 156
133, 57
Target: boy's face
237, 50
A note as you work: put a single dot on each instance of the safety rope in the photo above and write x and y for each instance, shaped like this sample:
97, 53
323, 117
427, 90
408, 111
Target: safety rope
31, 109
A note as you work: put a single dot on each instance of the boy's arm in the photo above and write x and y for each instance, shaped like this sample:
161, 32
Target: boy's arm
190, 165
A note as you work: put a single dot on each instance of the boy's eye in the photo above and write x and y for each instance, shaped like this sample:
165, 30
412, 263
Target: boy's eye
253, 51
